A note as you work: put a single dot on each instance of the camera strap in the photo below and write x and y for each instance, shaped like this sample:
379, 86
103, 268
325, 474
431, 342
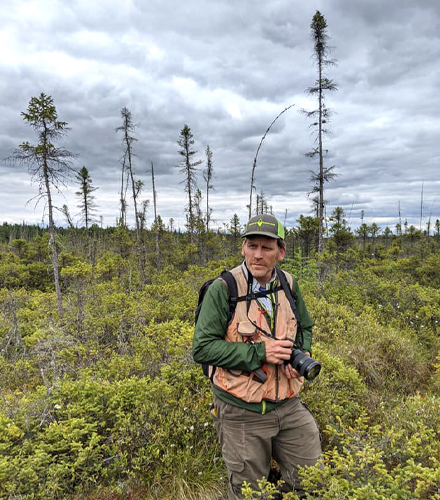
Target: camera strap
289, 294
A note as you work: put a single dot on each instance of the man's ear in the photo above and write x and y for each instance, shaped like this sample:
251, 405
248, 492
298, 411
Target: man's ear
242, 247
281, 254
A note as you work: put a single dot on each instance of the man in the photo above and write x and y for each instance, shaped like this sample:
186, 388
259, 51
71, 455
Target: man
257, 411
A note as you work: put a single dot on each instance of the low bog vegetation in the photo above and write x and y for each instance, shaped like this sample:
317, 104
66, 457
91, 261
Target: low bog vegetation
108, 404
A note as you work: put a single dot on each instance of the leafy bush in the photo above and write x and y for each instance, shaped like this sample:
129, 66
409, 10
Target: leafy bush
107, 403
337, 395
370, 463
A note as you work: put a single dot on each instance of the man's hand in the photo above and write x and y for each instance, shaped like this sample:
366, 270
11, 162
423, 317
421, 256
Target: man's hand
290, 372
278, 351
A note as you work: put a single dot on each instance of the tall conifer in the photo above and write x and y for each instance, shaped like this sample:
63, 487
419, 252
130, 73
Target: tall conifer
320, 116
188, 167
86, 198
48, 164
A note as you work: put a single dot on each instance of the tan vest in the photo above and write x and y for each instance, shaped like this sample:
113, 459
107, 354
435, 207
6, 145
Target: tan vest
249, 387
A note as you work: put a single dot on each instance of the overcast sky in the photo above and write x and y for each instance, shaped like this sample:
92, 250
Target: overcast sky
227, 69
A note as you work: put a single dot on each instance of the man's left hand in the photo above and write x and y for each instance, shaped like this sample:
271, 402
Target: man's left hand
290, 372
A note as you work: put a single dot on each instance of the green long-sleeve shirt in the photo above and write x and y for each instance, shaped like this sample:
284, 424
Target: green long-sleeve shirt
211, 348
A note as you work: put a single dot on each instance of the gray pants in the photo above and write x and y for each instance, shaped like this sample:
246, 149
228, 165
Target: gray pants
248, 439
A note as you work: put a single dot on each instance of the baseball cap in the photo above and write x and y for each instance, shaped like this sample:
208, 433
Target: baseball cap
264, 225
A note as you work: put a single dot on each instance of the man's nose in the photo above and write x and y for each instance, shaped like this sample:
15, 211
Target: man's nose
258, 254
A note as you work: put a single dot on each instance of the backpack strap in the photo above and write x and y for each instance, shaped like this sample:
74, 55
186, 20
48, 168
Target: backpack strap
291, 298
231, 285
233, 298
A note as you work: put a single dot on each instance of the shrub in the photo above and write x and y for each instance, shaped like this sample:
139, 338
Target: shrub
336, 395
358, 468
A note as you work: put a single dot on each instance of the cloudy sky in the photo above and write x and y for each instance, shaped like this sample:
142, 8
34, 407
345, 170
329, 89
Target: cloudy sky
227, 69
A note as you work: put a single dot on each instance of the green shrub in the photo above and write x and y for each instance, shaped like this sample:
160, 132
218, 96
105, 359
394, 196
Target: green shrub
359, 467
107, 403
336, 395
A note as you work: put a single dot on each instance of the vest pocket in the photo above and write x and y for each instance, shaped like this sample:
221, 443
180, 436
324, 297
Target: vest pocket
246, 330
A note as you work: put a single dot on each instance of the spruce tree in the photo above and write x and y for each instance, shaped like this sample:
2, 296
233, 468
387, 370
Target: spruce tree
340, 232
188, 167
321, 115
87, 204
306, 233
48, 164
235, 227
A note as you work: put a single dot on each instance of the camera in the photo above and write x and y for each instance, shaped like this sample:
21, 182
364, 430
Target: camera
306, 366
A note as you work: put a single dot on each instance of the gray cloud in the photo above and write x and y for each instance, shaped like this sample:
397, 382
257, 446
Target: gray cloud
227, 69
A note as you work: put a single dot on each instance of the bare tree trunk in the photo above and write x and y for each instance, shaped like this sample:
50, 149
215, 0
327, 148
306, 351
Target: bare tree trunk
254, 165
128, 140
207, 175
122, 199
133, 186
14, 339
207, 210
190, 200
138, 231
53, 245
86, 212
155, 219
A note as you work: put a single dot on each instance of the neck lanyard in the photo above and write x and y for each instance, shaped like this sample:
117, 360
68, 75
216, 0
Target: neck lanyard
254, 296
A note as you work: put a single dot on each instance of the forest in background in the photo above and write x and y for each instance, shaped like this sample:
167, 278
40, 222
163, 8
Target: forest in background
105, 401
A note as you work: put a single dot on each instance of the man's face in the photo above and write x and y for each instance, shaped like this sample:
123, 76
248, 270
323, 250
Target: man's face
261, 255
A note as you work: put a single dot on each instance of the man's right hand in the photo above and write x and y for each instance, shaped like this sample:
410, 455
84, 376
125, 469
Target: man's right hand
278, 351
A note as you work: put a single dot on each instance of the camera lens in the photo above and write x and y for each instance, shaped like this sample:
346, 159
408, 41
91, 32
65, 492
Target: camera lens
313, 371
307, 367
